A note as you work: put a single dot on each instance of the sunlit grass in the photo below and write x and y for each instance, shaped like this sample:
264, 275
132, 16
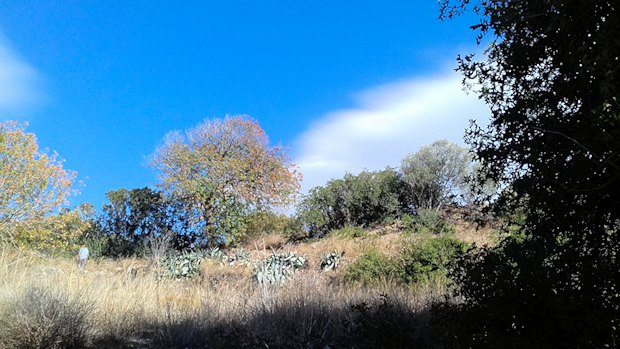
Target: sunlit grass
126, 303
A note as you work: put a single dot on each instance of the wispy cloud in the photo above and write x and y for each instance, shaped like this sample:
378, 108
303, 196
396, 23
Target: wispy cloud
19, 82
387, 123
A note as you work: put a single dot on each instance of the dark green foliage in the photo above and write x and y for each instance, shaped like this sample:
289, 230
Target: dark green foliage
41, 318
370, 268
429, 221
422, 260
138, 221
551, 79
428, 259
363, 200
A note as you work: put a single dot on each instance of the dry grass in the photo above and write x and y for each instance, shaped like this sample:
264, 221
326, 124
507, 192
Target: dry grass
122, 304
473, 234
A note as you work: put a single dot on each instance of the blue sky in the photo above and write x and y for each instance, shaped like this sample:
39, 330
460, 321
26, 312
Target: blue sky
346, 85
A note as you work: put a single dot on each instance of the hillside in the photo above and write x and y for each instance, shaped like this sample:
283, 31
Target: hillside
127, 303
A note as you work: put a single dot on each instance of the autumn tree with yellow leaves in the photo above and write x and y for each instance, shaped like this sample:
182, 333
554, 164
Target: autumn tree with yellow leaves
223, 169
33, 183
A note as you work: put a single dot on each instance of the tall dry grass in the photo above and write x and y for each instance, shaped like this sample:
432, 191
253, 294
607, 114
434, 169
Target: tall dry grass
123, 304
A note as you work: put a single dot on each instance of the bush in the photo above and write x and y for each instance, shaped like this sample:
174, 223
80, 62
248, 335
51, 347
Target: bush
263, 223
428, 259
436, 174
430, 221
366, 199
370, 268
43, 318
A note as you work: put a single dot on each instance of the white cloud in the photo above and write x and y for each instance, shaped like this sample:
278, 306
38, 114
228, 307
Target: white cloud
387, 123
18, 80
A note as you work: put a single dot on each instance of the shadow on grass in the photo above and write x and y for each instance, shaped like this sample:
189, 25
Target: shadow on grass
378, 323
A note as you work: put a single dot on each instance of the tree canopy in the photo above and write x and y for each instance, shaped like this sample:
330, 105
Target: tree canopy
550, 76
33, 183
436, 174
224, 167
364, 199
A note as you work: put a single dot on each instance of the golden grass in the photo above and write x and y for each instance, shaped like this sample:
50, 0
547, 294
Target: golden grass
129, 306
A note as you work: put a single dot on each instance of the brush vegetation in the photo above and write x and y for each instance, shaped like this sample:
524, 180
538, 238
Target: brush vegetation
362, 302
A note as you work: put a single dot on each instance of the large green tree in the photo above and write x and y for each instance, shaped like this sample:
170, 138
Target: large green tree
222, 168
550, 75
364, 199
33, 183
436, 174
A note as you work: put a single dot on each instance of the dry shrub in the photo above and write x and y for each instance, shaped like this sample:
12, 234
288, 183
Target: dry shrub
266, 241
45, 318
214, 274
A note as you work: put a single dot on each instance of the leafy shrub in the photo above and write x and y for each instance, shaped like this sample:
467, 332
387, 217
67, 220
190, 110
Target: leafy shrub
262, 223
427, 259
436, 174
43, 318
363, 200
370, 268
56, 234
430, 221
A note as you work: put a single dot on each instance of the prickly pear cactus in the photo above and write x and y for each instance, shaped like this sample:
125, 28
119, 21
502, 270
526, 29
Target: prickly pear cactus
276, 269
185, 264
331, 261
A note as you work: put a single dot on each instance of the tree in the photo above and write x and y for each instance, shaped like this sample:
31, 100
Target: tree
436, 174
550, 76
358, 200
57, 233
222, 168
33, 183
142, 221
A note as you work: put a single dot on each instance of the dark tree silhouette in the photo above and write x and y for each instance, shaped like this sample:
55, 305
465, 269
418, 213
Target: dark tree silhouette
550, 77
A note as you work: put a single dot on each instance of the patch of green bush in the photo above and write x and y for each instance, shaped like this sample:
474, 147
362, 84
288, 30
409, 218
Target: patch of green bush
428, 259
428, 221
366, 199
370, 268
